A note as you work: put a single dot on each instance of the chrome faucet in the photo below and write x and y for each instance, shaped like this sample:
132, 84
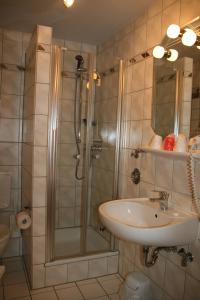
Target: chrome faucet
162, 199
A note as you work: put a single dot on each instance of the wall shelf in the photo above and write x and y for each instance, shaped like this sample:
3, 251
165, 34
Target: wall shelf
171, 154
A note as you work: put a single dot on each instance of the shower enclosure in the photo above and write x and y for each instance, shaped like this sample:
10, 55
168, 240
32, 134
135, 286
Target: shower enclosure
83, 145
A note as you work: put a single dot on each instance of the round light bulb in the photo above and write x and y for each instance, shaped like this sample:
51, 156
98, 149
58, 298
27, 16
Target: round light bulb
159, 52
173, 31
173, 56
198, 47
68, 3
189, 37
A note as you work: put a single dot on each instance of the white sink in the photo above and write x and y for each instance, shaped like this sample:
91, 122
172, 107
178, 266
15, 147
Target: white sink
138, 220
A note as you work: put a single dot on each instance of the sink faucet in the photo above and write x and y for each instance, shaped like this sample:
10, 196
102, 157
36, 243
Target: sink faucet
162, 199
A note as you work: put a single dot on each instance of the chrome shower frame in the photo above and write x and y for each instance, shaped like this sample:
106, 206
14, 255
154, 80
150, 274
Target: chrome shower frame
52, 153
52, 148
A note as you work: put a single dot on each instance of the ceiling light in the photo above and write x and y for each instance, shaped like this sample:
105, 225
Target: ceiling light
173, 55
189, 37
68, 3
173, 31
159, 52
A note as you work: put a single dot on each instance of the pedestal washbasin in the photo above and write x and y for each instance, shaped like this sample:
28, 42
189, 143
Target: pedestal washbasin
140, 221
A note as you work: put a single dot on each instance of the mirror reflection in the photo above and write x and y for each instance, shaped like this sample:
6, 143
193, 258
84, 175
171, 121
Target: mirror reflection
176, 91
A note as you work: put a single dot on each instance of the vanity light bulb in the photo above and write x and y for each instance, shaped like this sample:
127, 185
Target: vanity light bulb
68, 3
173, 56
173, 31
189, 37
159, 52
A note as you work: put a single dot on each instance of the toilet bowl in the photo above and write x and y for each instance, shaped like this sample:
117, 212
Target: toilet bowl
4, 237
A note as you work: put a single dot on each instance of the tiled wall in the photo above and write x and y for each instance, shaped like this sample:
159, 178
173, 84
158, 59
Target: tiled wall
12, 49
169, 279
34, 152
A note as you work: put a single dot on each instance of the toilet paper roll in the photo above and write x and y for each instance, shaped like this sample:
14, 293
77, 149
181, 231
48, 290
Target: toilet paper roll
23, 220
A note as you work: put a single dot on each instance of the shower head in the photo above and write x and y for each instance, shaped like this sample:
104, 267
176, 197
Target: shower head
80, 62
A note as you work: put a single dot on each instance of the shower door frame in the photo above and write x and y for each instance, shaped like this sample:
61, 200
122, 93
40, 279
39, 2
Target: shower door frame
52, 138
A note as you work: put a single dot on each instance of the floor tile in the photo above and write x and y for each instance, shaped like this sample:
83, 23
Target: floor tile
43, 290
65, 286
93, 290
111, 286
114, 297
101, 298
24, 298
16, 291
45, 296
14, 278
87, 281
71, 293
108, 277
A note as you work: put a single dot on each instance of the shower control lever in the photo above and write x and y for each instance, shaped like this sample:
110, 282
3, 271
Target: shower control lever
77, 156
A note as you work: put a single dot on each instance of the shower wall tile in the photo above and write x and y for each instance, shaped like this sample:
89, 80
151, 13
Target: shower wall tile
12, 51
11, 82
41, 99
98, 267
38, 249
40, 130
61, 275
43, 67
39, 221
44, 35
9, 130
10, 106
40, 161
38, 277
78, 271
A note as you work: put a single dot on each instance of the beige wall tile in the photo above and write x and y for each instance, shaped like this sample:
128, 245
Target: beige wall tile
154, 8
174, 281
171, 15
190, 9
154, 31
61, 275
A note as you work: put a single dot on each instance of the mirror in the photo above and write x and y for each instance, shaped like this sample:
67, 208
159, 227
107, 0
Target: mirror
176, 89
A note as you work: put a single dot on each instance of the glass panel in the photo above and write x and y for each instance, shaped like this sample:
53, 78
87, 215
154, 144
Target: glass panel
70, 155
86, 151
103, 157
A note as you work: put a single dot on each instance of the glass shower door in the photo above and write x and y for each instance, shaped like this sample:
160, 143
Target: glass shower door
104, 155
84, 136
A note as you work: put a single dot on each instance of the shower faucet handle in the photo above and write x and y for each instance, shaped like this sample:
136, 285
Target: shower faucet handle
77, 156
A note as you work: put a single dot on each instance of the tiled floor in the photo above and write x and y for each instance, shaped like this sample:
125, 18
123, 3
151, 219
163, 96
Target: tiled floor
14, 286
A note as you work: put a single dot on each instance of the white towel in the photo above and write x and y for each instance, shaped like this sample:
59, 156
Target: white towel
5, 190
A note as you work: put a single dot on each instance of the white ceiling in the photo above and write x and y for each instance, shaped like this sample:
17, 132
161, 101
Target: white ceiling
91, 21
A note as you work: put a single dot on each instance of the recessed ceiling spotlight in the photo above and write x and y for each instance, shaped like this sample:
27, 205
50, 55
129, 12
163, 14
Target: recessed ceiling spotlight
189, 37
173, 31
68, 3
